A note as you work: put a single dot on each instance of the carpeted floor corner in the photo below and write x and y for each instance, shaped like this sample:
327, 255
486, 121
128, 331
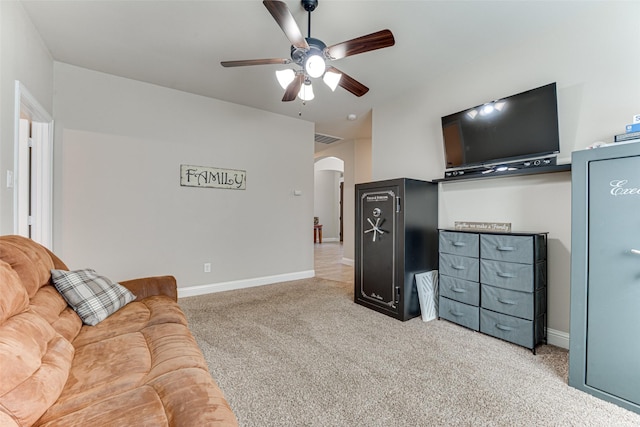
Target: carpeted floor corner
302, 353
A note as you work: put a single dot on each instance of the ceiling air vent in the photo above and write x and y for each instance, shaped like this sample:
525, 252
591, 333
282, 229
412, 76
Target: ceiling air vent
326, 139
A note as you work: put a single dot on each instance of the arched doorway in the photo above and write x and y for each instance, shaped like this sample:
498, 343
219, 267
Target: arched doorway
328, 191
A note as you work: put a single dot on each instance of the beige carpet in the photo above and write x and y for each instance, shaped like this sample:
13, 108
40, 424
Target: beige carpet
303, 354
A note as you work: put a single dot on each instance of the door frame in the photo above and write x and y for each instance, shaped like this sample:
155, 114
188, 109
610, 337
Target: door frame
41, 175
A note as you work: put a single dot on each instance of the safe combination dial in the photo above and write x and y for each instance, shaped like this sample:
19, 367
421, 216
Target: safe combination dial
375, 227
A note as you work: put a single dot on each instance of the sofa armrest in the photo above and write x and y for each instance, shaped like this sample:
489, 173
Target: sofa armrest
150, 286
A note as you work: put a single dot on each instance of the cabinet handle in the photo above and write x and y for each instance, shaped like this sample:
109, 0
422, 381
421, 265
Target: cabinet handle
506, 301
458, 244
506, 275
503, 327
635, 251
459, 290
456, 313
458, 267
505, 248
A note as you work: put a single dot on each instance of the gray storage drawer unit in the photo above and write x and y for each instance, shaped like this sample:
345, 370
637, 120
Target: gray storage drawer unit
604, 348
498, 279
459, 275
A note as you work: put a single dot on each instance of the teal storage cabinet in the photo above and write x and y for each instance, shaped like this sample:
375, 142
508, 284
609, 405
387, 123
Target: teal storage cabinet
605, 274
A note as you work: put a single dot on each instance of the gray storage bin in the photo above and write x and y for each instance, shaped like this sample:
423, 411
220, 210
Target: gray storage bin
507, 248
464, 244
459, 266
509, 328
514, 303
460, 313
460, 290
518, 277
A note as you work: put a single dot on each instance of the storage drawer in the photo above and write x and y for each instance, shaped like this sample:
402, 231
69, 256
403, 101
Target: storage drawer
460, 313
459, 266
465, 244
509, 275
521, 249
460, 290
509, 328
515, 303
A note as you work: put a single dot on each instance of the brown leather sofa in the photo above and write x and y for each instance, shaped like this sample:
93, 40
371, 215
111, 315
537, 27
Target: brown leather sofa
139, 367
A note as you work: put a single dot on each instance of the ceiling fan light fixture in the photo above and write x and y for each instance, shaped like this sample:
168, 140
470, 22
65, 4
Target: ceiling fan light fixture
314, 65
332, 79
306, 92
285, 77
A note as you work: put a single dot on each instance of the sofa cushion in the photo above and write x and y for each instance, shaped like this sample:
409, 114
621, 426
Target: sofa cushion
30, 260
49, 304
14, 296
38, 357
92, 296
139, 367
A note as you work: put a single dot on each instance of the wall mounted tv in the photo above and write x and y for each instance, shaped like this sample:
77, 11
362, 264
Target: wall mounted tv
502, 132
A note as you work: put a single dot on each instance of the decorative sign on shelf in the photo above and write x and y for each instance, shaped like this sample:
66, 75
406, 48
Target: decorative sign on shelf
496, 227
209, 177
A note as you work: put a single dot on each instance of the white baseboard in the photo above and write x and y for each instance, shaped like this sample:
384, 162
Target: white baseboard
347, 261
190, 291
330, 239
558, 338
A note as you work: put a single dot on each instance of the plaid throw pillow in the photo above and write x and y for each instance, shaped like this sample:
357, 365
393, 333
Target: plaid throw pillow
93, 297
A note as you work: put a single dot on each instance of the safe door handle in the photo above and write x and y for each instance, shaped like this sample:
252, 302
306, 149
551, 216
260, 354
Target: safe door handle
505, 248
635, 251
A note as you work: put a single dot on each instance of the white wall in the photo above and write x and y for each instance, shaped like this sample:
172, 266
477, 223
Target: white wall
597, 74
119, 207
23, 57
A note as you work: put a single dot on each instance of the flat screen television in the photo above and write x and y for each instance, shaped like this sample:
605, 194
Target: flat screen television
521, 126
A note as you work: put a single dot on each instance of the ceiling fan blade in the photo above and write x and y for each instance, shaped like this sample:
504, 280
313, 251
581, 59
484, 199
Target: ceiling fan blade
245, 62
373, 41
349, 83
293, 89
284, 18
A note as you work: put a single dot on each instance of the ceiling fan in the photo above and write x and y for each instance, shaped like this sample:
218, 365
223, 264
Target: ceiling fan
312, 55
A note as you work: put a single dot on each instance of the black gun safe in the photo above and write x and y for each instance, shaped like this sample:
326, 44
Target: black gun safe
396, 237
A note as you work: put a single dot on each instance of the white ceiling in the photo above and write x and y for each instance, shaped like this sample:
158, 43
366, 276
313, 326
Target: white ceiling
179, 44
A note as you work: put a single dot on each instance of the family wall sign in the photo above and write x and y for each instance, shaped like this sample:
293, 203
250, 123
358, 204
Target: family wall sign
210, 177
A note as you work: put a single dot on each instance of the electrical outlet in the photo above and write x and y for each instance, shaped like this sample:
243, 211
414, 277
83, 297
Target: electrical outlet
207, 267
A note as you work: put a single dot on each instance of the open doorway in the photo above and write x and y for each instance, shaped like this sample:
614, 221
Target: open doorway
33, 169
328, 182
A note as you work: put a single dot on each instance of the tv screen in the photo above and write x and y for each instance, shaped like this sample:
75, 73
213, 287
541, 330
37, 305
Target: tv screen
516, 127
